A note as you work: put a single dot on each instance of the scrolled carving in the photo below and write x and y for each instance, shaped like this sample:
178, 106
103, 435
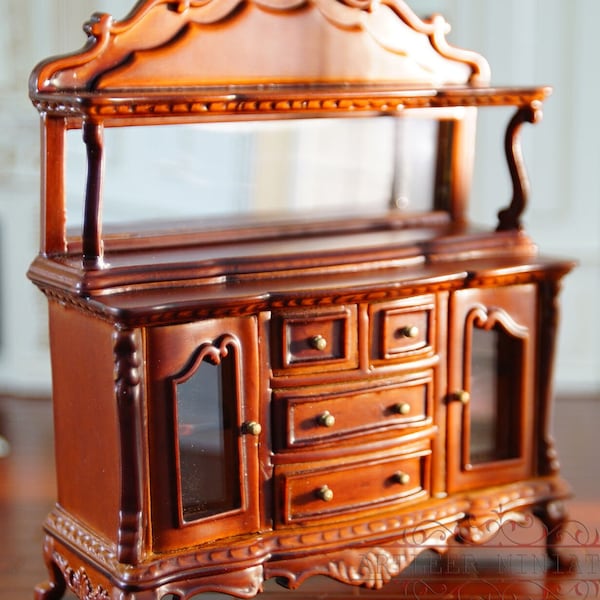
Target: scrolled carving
212, 353
487, 318
371, 569
433, 533
110, 43
79, 582
480, 528
99, 26
510, 218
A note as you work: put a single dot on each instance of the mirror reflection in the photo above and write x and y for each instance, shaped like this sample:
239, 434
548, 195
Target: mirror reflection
284, 169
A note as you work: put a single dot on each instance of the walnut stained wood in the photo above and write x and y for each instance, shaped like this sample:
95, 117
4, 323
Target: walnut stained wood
511, 562
306, 396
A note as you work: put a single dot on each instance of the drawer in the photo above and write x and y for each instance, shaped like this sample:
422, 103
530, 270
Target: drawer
316, 494
315, 340
336, 415
403, 329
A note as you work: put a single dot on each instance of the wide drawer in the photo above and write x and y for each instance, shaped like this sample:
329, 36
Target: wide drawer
320, 493
314, 341
330, 416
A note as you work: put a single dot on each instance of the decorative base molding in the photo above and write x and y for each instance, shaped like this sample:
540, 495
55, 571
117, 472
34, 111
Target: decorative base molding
370, 557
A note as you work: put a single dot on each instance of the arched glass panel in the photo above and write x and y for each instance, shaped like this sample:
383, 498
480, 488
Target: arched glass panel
496, 395
208, 432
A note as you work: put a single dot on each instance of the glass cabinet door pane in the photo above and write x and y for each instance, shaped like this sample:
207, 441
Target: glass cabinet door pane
207, 442
496, 394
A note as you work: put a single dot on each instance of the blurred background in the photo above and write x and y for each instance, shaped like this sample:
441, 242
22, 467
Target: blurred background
526, 42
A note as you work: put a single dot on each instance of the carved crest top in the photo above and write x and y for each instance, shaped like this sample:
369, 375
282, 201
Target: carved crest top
190, 44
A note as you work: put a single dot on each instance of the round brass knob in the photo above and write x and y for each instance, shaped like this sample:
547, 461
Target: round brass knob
401, 477
326, 419
409, 331
325, 493
462, 396
318, 342
253, 428
402, 408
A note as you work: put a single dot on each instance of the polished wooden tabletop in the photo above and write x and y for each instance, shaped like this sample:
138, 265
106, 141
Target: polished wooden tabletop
511, 566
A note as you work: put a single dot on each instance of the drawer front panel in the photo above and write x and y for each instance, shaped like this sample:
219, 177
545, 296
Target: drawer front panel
329, 417
403, 329
311, 495
305, 342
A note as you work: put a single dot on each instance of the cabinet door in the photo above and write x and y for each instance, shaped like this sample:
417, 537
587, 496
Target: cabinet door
491, 385
204, 431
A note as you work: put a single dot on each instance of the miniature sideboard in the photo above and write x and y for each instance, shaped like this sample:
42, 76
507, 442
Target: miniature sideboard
298, 393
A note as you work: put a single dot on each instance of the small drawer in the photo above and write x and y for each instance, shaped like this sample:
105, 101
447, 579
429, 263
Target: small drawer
320, 339
316, 494
404, 328
335, 415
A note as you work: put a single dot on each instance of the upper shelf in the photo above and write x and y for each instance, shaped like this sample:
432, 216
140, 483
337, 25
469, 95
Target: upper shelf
125, 107
188, 61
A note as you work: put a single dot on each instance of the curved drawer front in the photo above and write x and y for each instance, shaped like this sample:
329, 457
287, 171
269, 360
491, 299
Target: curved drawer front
327, 417
315, 341
403, 329
315, 494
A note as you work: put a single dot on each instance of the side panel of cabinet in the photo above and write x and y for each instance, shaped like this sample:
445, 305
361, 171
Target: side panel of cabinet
86, 421
204, 431
491, 378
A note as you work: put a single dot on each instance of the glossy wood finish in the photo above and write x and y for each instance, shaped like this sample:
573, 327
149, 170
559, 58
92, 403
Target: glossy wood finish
512, 310
510, 564
342, 344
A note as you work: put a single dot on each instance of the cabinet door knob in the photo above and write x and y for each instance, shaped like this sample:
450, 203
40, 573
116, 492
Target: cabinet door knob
325, 493
402, 408
408, 331
252, 427
401, 477
461, 396
318, 342
326, 419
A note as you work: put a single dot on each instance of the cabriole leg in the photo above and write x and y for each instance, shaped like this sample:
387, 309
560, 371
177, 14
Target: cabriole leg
553, 515
55, 587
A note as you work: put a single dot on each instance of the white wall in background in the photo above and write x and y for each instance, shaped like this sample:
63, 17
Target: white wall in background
526, 42
552, 42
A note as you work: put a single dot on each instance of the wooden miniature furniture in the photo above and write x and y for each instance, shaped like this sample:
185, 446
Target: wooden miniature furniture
281, 397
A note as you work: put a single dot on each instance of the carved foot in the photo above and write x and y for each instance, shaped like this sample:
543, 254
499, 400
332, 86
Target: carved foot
52, 590
553, 515
56, 585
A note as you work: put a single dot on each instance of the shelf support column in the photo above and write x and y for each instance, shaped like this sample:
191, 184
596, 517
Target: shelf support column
93, 251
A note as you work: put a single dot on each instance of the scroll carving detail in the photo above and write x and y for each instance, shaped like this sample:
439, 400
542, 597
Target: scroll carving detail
79, 581
372, 569
510, 218
104, 50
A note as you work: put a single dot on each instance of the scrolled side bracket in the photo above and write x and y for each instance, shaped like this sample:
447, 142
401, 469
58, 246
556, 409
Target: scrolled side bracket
510, 217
